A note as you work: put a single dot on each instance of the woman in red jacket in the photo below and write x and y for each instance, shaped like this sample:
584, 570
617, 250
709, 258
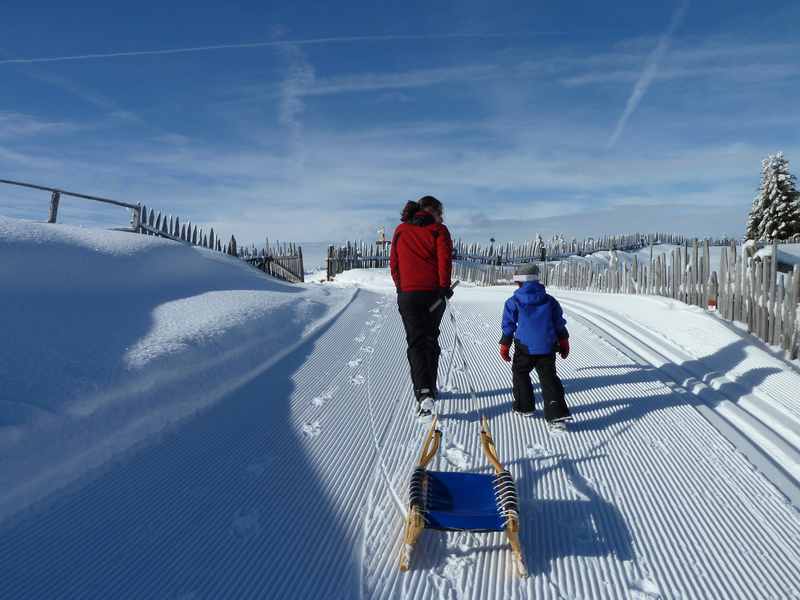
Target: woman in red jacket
421, 262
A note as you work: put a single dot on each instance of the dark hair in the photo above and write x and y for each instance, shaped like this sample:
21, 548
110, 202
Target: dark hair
429, 202
425, 203
409, 210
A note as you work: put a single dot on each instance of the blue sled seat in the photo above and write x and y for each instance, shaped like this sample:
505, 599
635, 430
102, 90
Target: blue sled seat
464, 501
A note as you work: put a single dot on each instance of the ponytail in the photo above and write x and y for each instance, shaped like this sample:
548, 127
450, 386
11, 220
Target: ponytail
409, 210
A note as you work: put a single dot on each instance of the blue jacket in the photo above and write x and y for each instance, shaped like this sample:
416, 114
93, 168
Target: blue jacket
534, 318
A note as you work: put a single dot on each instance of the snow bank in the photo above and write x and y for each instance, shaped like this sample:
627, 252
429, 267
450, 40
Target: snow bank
110, 337
376, 280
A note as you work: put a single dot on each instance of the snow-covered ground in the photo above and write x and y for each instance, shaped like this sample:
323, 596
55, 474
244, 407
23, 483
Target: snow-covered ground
678, 478
109, 337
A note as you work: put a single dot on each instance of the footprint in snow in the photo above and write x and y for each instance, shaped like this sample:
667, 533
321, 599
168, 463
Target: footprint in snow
375, 311
355, 363
322, 399
369, 323
360, 338
375, 329
536, 451
358, 379
645, 589
312, 429
457, 456
367, 349
465, 541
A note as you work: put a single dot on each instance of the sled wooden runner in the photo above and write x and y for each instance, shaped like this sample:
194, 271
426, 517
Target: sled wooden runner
453, 501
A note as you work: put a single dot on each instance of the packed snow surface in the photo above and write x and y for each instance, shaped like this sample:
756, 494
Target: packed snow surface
674, 481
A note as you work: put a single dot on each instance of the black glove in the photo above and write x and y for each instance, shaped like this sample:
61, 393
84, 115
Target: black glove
446, 293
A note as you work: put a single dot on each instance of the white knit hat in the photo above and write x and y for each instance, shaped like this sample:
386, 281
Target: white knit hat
529, 272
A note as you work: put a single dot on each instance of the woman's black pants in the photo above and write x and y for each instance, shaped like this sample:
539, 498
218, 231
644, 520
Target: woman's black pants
552, 390
422, 336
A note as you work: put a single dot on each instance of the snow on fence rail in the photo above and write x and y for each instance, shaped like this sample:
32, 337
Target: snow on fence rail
284, 261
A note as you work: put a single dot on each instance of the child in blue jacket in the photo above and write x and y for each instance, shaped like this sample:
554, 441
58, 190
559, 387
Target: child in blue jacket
534, 321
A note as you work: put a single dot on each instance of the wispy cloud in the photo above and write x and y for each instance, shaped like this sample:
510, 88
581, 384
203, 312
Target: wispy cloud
298, 79
649, 73
14, 124
273, 44
721, 59
402, 80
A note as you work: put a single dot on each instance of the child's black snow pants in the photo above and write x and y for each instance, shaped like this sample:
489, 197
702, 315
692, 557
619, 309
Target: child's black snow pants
552, 390
422, 335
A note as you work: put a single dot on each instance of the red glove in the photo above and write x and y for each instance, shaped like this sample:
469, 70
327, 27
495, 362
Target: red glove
504, 350
563, 347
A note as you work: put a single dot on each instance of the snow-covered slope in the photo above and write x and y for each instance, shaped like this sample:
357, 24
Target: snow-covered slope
294, 485
108, 337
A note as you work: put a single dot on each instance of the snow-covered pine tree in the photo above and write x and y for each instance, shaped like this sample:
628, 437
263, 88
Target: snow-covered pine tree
775, 213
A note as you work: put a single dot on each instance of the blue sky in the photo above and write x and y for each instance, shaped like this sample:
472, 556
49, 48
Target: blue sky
318, 120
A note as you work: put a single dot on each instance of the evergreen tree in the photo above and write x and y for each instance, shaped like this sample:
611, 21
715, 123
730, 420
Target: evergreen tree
775, 213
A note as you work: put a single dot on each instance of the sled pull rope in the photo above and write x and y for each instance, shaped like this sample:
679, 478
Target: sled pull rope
457, 343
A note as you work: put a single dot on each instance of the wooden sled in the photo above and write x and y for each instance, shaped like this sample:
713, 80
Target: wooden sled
452, 501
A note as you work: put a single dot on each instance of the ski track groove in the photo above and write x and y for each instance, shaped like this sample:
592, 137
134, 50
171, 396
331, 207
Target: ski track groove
785, 424
643, 493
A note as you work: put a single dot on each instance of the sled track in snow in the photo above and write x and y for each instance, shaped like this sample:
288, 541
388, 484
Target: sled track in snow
295, 486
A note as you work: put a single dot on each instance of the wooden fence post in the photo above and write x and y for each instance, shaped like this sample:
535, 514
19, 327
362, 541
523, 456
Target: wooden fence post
329, 274
54, 199
136, 218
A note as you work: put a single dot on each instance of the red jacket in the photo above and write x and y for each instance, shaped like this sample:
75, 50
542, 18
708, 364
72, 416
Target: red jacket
421, 257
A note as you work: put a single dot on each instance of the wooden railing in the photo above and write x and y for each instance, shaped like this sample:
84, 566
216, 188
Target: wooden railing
284, 261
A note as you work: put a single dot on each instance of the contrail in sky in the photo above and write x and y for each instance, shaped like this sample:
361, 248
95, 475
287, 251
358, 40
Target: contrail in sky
649, 73
307, 42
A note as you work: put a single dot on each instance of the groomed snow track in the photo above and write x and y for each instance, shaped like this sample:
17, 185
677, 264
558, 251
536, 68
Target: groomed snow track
294, 486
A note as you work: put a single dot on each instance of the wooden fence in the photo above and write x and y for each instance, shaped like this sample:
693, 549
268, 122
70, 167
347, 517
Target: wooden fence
356, 255
284, 261
556, 248
746, 290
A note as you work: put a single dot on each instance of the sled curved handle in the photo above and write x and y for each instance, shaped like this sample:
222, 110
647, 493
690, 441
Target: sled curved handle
431, 445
